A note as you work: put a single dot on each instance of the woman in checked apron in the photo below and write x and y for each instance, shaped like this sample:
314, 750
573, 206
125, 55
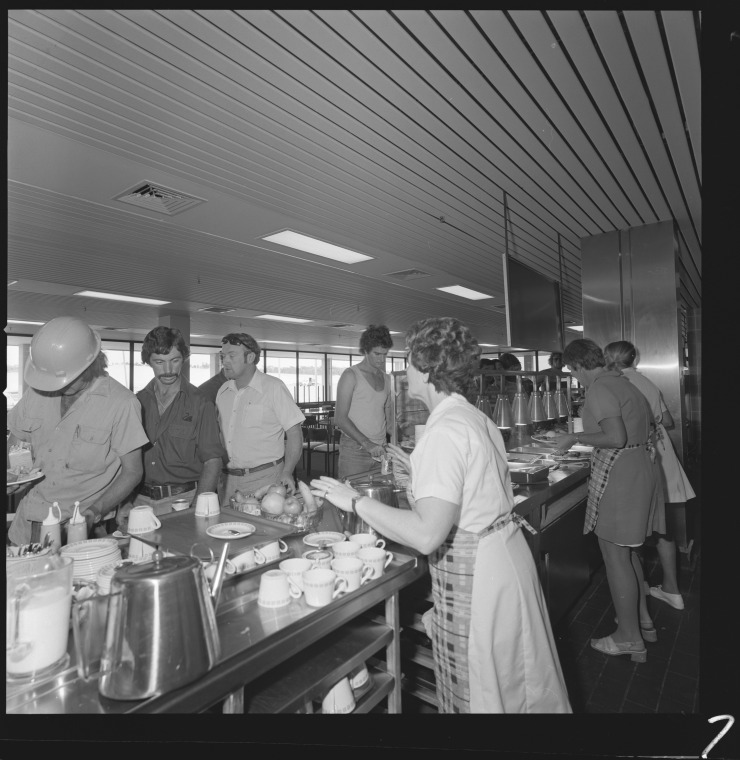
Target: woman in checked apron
493, 646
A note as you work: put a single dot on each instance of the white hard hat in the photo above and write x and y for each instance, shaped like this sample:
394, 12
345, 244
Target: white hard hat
60, 352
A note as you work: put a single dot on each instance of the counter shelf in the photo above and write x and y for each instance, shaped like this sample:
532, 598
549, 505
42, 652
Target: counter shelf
254, 641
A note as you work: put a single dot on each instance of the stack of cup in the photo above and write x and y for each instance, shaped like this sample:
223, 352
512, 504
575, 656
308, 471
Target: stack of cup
339, 700
141, 519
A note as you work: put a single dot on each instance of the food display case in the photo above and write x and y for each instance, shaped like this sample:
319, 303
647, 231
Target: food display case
407, 412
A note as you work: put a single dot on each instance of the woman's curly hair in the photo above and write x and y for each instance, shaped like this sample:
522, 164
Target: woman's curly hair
583, 353
374, 336
445, 348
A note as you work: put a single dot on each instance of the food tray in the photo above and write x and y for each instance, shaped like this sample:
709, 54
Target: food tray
180, 530
529, 474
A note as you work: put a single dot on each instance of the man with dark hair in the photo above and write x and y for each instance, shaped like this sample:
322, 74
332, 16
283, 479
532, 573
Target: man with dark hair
210, 388
260, 421
84, 428
555, 373
185, 453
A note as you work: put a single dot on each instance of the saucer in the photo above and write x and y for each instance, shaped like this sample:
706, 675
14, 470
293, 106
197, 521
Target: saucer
326, 537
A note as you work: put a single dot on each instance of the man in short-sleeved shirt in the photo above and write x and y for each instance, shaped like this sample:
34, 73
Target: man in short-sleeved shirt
210, 388
185, 454
260, 422
85, 436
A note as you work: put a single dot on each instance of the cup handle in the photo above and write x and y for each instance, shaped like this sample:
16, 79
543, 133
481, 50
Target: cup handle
282, 546
157, 523
295, 591
367, 575
259, 557
340, 587
380, 543
388, 559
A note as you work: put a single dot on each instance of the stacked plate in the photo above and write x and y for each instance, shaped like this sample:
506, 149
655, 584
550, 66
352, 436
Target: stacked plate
91, 556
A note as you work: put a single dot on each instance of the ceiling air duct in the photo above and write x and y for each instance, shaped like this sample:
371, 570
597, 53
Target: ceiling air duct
158, 198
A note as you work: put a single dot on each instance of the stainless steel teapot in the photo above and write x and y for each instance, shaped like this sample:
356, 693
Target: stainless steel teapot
161, 630
382, 490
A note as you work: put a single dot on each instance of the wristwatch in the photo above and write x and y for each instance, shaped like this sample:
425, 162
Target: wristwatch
355, 499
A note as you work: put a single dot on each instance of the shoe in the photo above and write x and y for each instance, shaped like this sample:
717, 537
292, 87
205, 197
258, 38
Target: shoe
648, 633
607, 645
675, 600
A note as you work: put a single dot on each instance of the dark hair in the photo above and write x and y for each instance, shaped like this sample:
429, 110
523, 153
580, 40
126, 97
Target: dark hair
553, 355
95, 370
161, 340
583, 353
375, 336
445, 348
509, 361
243, 339
619, 354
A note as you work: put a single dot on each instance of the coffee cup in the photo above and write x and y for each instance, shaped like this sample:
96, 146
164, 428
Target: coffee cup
352, 570
345, 549
207, 505
321, 586
294, 569
376, 558
138, 550
270, 551
142, 519
319, 558
276, 589
359, 677
248, 559
367, 539
339, 700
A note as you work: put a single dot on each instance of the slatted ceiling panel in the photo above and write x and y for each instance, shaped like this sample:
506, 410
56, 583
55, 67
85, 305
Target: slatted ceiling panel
602, 171
614, 45
681, 34
645, 34
643, 190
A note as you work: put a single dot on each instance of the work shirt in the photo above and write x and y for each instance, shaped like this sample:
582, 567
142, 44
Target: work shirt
254, 419
182, 439
79, 453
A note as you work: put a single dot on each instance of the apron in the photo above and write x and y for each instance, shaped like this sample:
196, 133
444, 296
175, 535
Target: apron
494, 651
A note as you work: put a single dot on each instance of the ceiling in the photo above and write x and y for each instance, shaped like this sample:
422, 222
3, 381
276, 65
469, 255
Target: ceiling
432, 141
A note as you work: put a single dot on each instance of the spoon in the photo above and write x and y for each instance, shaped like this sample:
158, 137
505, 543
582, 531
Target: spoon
18, 650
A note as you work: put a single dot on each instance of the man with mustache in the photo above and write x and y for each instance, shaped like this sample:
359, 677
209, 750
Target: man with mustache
183, 457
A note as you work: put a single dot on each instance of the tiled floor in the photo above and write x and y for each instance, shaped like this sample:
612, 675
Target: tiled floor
667, 683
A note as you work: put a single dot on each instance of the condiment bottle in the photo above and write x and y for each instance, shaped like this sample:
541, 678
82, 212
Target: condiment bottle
51, 526
77, 526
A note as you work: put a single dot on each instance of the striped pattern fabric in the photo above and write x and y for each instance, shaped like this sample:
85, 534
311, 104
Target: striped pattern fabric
602, 461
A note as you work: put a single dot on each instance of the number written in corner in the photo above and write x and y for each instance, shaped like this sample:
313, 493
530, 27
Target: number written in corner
730, 720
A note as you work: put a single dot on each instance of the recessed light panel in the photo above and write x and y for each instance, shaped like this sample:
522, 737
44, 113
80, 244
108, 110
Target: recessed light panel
577, 328
279, 318
459, 290
117, 297
23, 322
317, 247
489, 345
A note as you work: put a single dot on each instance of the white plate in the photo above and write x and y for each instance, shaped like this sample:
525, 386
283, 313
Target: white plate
91, 547
33, 475
225, 530
329, 537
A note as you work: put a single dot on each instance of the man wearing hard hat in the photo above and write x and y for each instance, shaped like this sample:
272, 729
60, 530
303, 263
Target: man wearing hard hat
84, 428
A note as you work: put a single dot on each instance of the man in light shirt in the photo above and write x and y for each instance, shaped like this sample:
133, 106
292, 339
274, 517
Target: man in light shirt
260, 422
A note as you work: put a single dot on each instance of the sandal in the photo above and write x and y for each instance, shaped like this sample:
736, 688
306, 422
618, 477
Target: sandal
649, 634
607, 645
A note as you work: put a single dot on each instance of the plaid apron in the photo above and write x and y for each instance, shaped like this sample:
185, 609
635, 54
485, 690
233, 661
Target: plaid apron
602, 461
452, 566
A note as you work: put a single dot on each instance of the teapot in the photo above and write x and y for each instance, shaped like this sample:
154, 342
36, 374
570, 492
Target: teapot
160, 631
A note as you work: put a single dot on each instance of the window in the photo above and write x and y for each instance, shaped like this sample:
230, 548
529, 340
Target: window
118, 354
398, 363
203, 365
281, 364
337, 365
311, 377
13, 388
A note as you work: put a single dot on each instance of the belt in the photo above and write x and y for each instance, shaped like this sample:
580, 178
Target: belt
241, 471
169, 489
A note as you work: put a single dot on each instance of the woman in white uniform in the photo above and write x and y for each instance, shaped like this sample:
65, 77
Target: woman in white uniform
621, 355
494, 651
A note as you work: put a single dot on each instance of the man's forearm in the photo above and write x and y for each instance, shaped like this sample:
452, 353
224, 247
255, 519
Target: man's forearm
119, 489
209, 477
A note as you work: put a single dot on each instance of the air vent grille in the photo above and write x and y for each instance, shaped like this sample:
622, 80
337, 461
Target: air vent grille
217, 310
408, 274
158, 198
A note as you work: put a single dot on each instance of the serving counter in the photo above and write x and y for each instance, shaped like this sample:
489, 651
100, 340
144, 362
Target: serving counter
272, 660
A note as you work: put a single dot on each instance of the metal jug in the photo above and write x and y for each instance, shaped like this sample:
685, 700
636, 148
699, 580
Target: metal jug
161, 630
382, 490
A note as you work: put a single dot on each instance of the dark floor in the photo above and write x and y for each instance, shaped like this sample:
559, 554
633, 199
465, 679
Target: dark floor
667, 683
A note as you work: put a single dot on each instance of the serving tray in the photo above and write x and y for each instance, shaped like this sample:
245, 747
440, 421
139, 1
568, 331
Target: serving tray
180, 530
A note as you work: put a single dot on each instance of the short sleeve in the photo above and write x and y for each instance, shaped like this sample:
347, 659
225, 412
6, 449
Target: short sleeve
603, 403
438, 466
209, 437
128, 433
286, 411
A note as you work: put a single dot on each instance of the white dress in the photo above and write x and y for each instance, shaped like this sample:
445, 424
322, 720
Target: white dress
494, 649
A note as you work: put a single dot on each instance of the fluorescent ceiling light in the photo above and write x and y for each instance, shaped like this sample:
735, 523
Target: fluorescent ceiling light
279, 318
351, 348
292, 239
577, 328
283, 342
459, 290
12, 282
394, 332
116, 297
24, 322
488, 345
